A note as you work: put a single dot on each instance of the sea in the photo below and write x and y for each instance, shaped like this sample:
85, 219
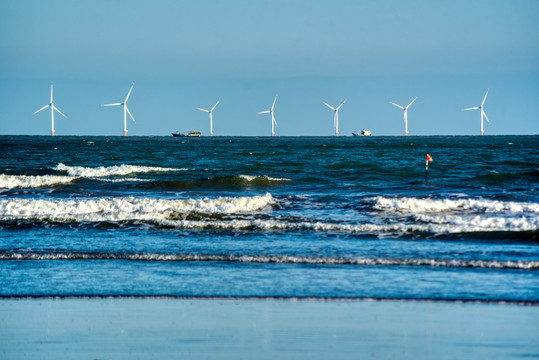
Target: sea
273, 218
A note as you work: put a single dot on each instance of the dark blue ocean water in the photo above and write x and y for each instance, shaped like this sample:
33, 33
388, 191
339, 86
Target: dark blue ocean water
319, 217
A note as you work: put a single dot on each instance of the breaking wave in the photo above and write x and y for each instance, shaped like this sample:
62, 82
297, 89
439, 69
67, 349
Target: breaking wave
264, 178
401, 229
101, 173
277, 259
417, 205
117, 170
246, 214
32, 182
250, 180
122, 209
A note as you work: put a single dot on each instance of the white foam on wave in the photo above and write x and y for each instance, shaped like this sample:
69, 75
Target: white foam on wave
418, 205
172, 213
101, 173
121, 209
484, 222
251, 178
123, 180
278, 259
397, 229
116, 170
32, 181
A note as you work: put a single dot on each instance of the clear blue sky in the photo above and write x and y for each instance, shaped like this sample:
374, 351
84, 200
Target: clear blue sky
187, 54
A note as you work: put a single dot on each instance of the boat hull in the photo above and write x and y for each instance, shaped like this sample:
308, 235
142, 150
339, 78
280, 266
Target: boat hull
191, 133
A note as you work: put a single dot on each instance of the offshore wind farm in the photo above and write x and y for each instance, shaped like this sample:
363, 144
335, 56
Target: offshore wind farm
270, 111
446, 66
238, 238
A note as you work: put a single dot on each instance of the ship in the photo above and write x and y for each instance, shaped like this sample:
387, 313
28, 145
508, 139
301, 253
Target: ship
191, 133
364, 132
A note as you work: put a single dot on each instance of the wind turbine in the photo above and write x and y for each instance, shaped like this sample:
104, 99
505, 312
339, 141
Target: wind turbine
482, 111
405, 115
273, 122
126, 110
335, 116
210, 112
51, 105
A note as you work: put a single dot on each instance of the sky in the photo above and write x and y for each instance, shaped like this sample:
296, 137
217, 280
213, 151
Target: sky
187, 54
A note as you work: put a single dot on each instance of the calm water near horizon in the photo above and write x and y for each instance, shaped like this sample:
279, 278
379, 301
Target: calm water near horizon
298, 217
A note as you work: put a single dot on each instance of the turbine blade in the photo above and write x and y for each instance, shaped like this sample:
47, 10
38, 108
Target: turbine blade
273, 119
485, 97
214, 106
397, 105
474, 108
274, 100
129, 93
55, 108
43, 108
264, 112
129, 112
338, 107
51, 92
329, 106
115, 104
485, 115
411, 102
203, 110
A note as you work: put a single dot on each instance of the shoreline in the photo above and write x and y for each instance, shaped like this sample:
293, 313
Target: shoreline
232, 328
269, 298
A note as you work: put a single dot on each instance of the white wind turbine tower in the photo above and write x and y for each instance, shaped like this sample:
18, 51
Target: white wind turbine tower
273, 122
482, 111
335, 116
51, 105
211, 119
126, 110
405, 115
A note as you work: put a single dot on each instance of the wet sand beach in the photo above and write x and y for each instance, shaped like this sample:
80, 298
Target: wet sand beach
151, 328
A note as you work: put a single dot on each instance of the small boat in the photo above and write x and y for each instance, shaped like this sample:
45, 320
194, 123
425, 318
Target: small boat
191, 133
364, 132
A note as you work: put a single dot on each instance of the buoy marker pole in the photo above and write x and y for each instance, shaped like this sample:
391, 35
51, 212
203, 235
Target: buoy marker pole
429, 158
